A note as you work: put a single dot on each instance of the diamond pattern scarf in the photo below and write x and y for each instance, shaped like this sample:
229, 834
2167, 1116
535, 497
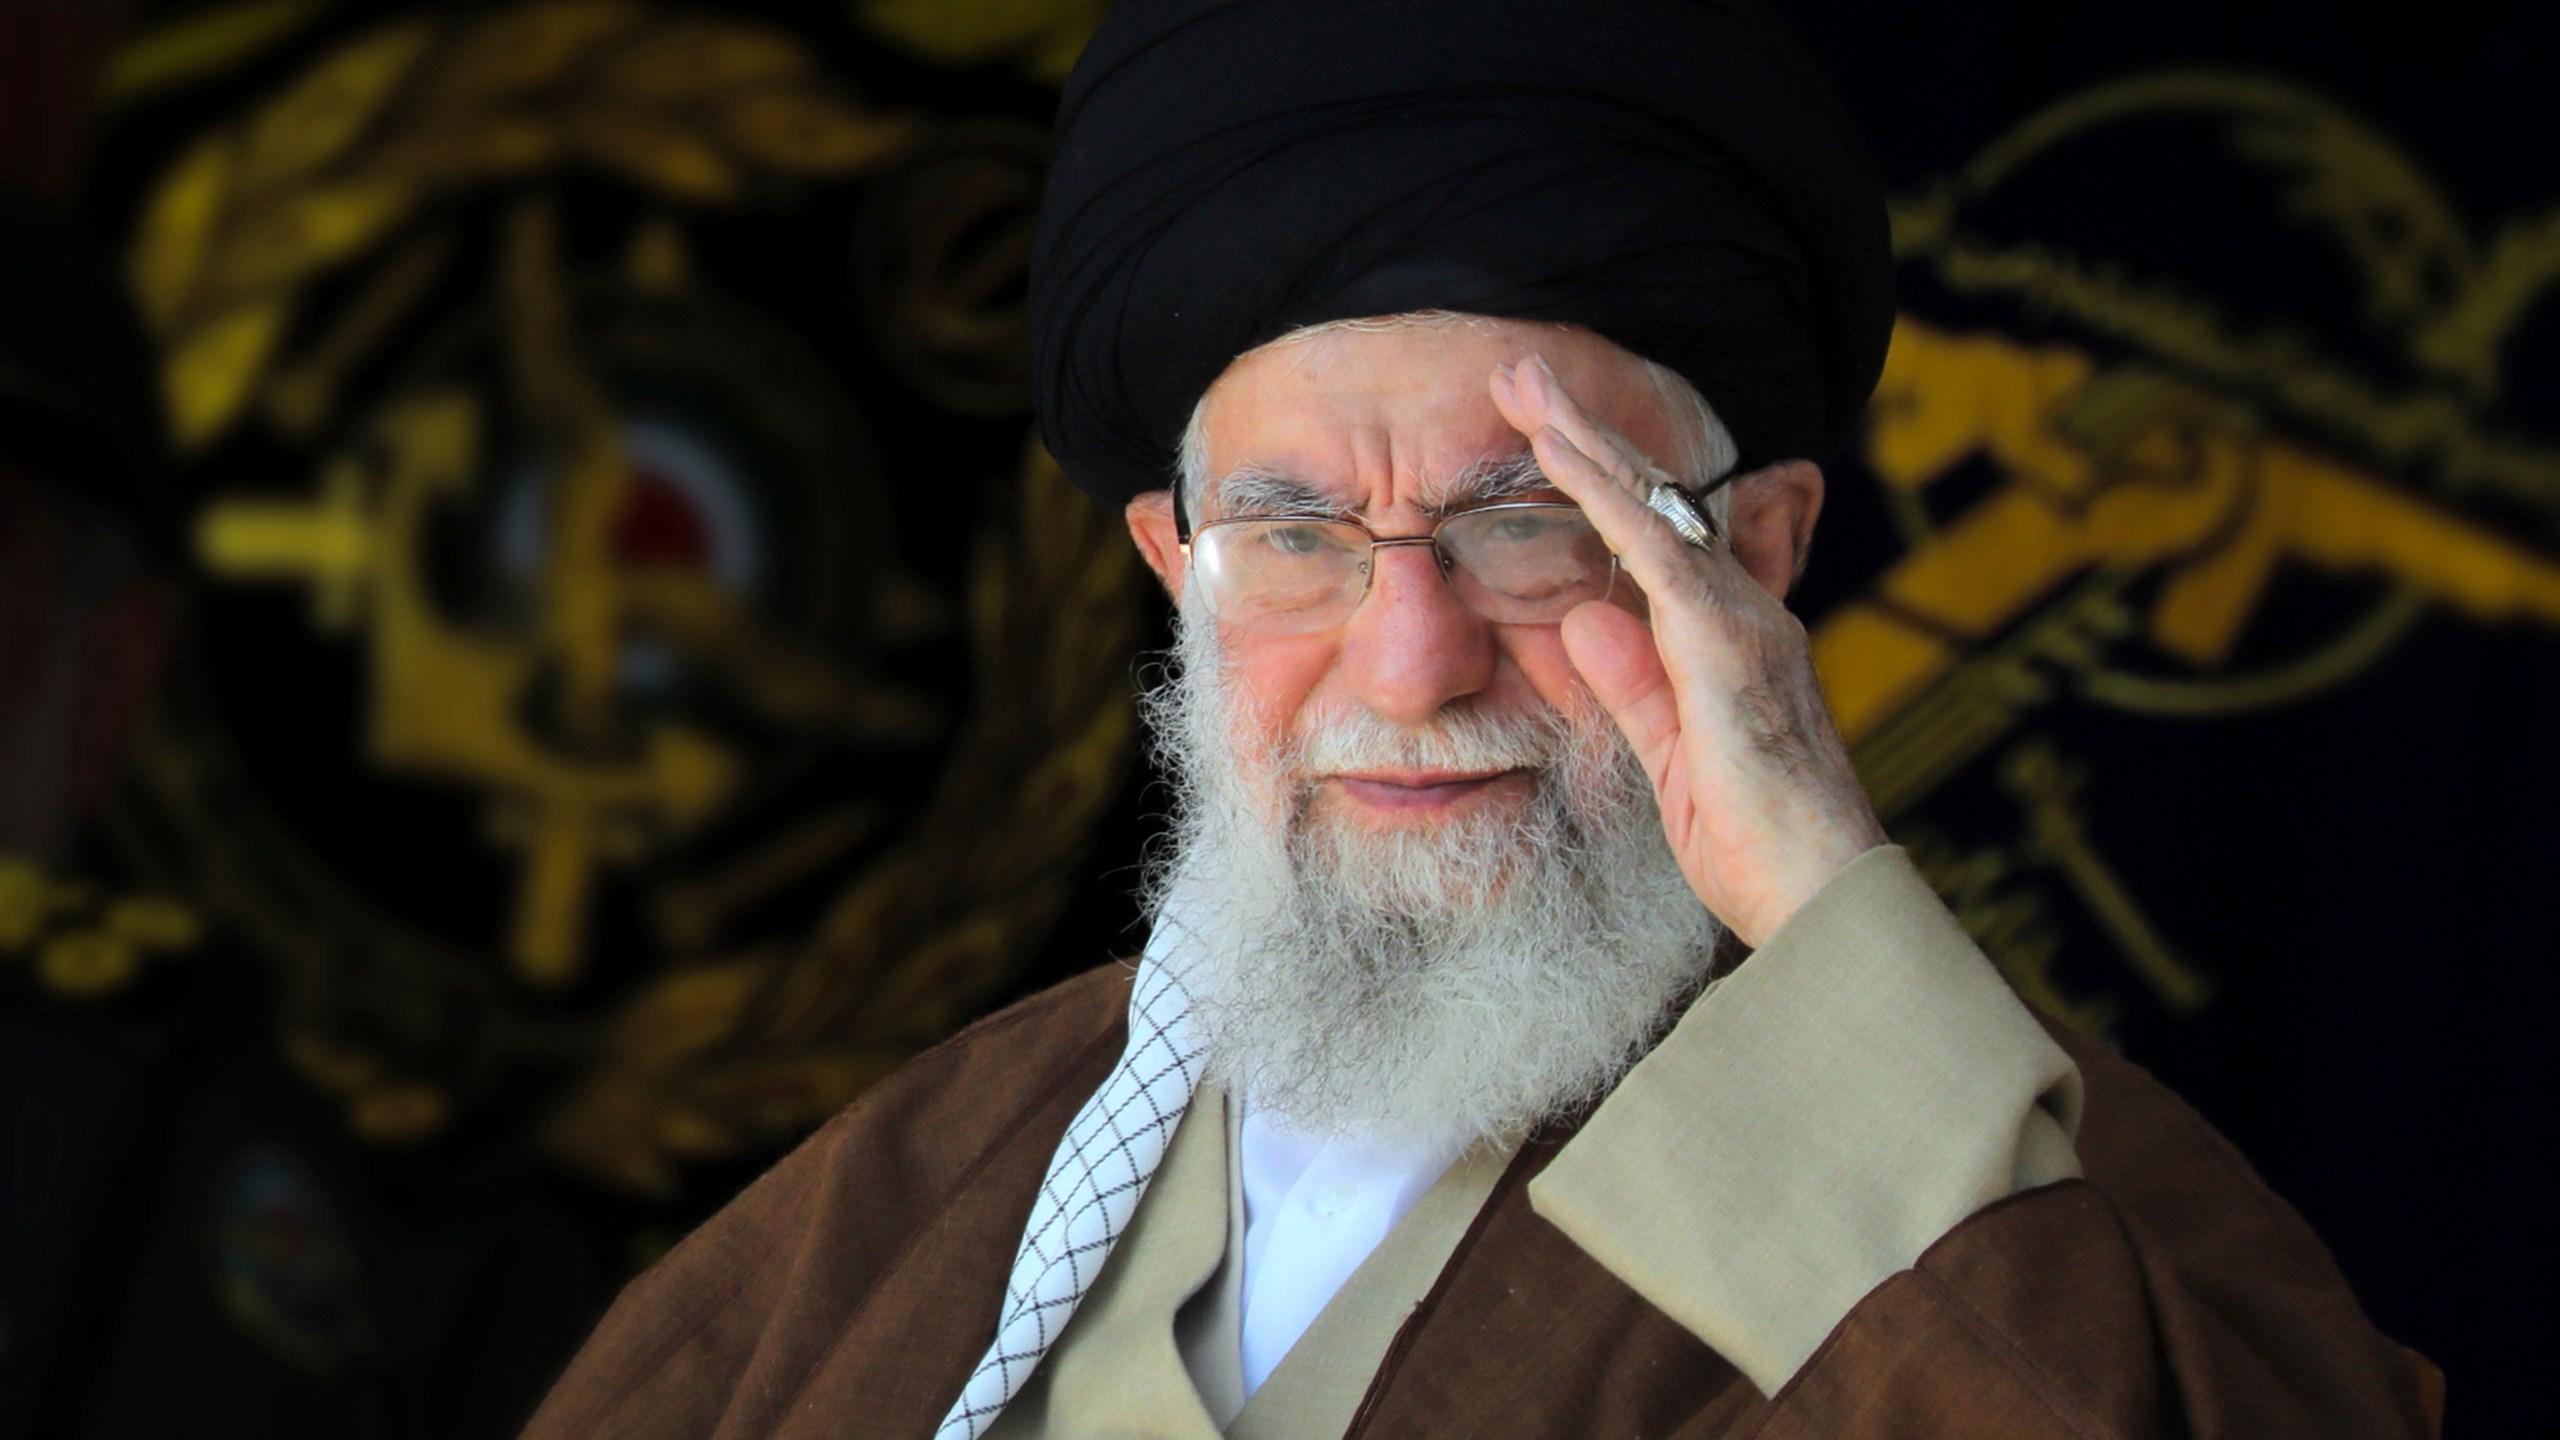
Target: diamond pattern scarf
1095, 1180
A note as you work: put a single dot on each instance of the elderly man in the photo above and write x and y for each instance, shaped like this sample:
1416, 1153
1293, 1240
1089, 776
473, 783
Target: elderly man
1444, 1099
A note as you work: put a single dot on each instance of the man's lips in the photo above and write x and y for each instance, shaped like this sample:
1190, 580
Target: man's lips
1416, 790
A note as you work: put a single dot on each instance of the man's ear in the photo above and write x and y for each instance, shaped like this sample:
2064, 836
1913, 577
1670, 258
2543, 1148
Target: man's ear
1151, 525
1770, 519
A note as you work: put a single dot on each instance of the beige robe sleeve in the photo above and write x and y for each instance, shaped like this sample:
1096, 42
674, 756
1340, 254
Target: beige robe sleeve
1858, 1088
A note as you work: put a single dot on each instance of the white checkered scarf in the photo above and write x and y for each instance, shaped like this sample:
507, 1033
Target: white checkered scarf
1095, 1180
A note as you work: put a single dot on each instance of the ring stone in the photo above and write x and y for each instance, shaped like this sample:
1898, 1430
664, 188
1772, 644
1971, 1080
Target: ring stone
1674, 505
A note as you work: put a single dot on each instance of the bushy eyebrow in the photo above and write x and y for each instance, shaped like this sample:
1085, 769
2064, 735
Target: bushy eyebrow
1255, 490
1502, 477
1260, 490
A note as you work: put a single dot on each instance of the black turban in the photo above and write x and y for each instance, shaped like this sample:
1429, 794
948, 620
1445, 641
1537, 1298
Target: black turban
1674, 174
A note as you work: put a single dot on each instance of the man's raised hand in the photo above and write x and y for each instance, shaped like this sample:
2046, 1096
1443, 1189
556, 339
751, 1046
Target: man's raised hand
1717, 694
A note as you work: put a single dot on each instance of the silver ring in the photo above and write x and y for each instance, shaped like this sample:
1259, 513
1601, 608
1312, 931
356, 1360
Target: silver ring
1673, 504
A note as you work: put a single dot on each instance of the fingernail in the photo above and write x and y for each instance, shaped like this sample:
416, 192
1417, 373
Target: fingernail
1544, 368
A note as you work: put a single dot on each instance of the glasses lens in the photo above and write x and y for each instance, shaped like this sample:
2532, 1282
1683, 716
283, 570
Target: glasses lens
1525, 564
1281, 574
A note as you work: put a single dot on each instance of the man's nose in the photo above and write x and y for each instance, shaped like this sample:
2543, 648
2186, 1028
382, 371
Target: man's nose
1413, 646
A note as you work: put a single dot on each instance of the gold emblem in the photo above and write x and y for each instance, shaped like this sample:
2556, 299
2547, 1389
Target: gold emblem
676, 763
2146, 501
85, 943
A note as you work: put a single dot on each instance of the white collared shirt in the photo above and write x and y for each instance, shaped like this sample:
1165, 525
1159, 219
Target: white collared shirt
1314, 1209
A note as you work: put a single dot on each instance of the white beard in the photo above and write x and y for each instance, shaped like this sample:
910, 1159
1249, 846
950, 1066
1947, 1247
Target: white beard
1433, 985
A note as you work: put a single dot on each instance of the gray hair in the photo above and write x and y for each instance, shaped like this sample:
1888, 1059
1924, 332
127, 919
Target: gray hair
1706, 448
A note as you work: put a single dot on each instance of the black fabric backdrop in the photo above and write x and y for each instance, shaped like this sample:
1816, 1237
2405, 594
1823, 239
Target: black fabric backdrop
2288, 845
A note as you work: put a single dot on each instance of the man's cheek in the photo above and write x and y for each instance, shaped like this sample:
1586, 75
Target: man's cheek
1279, 673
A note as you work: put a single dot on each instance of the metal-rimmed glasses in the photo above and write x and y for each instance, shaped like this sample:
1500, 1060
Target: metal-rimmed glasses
1513, 562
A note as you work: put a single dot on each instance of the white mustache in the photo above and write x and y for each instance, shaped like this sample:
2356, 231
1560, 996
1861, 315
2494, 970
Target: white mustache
1359, 739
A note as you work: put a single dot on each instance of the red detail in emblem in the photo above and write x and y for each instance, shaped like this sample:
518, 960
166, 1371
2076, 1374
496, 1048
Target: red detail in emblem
660, 525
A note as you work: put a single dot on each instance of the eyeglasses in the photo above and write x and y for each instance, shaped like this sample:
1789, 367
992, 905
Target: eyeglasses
1515, 563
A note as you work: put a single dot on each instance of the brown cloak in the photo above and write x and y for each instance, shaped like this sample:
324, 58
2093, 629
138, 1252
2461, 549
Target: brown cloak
2168, 1292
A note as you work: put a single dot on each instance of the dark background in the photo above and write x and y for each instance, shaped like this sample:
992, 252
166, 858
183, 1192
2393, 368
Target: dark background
343, 1158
